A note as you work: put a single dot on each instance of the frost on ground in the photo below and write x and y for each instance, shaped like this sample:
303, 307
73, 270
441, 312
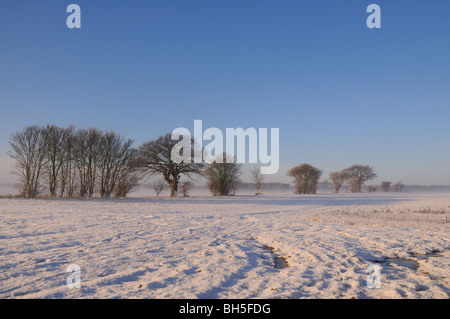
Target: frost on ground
274, 246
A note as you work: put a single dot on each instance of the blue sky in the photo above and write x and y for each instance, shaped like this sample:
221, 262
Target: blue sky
340, 93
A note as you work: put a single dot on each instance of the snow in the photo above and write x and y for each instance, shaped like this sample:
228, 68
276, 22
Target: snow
227, 247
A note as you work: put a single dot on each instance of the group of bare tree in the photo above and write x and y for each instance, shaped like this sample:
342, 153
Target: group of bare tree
397, 187
69, 162
155, 158
306, 178
385, 186
354, 177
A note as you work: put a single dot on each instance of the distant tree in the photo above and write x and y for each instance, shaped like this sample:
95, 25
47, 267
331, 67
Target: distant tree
223, 175
306, 178
159, 186
257, 178
338, 179
385, 186
28, 150
235, 185
371, 189
398, 187
354, 185
359, 174
155, 157
185, 187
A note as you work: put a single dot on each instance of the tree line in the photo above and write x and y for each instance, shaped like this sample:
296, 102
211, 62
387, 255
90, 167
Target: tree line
306, 178
355, 177
70, 162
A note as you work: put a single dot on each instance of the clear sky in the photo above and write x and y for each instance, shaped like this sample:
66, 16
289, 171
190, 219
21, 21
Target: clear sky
339, 92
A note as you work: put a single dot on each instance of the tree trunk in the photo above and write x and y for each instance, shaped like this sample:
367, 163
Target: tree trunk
174, 186
173, 189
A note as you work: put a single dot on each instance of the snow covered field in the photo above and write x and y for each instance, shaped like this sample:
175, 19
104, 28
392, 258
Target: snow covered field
274, 246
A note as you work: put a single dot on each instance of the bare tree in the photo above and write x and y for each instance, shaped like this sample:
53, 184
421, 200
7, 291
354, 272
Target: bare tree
93, 143
385, 186
68, 172
398, 187
127, 180
86, 155
371, 189
155, 157
159, 186
257, 178
359, 175
54, 157
65, 161
306, 178
223, 175
185, 187
235, 185
28, 150
338, 179
115, 156
80, 161
128, 176
354, 185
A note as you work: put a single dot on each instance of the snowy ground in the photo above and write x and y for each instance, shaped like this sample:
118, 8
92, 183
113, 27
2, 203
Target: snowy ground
274, 246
